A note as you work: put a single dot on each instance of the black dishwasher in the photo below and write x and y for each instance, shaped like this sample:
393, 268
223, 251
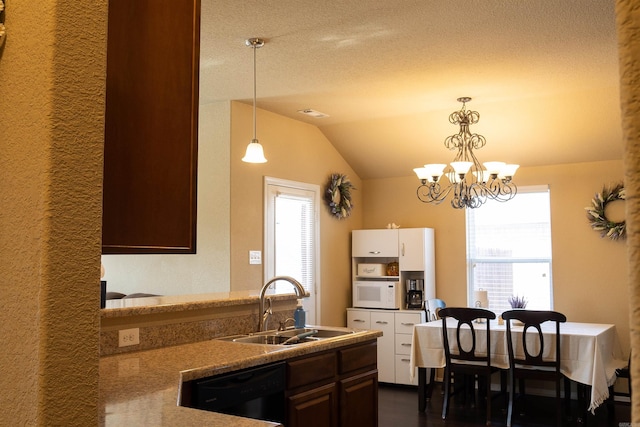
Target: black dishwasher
254, 393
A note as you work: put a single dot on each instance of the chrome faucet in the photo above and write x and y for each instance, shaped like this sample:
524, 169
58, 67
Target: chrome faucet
283, 325
266, 313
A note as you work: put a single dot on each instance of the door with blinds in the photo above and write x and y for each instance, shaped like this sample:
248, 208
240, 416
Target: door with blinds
291, 238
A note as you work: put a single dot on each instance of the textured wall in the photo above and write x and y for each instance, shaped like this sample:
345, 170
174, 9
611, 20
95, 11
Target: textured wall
51, 114
628, 24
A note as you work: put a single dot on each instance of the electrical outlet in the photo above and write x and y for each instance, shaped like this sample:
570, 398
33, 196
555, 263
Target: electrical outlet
128, 337
255, 257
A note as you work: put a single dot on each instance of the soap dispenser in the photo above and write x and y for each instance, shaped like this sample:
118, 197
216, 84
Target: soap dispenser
299, 316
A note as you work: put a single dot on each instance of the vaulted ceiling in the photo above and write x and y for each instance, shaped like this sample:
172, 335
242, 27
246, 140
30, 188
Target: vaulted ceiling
543, 74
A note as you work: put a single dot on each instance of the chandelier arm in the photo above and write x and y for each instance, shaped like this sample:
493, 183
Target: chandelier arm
432, 193
502, 190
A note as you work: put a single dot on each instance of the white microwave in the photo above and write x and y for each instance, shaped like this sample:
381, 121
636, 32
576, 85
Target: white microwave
377, 294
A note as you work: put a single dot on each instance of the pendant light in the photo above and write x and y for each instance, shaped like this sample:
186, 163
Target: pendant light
254, 153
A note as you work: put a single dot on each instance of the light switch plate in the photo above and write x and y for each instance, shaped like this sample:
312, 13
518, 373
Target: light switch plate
255, 257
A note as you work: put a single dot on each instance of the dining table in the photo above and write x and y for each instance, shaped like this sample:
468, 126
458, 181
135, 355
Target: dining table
590, 352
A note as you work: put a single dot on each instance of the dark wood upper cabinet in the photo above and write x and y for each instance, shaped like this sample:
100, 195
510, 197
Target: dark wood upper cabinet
151, 127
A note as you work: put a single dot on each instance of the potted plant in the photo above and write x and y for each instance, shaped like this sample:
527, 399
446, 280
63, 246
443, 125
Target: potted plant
517, 303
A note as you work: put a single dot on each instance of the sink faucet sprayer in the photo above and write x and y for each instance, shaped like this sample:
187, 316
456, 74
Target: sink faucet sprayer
266, 313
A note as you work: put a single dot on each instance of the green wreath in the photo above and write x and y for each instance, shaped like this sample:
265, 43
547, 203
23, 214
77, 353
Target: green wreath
597, 217
338, 195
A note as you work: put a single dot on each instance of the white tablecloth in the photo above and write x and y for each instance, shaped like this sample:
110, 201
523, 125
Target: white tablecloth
590, 352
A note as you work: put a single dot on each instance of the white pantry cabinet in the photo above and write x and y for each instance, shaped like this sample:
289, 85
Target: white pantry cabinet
412, 248
394, 346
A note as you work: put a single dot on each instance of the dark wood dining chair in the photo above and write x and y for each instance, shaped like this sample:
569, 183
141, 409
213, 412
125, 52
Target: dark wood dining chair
462, 357
624, 372
532, 365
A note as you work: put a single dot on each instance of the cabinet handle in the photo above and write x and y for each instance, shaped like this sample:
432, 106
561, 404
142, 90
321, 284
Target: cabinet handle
382, 322
406, 344
407, 324
358, 320
374, 252
403, 249
406, 360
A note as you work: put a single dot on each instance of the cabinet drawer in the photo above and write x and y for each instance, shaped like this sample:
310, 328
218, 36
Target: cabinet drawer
405, 322
382, 322
358, 319
403, 371
354, 358
311, 369
403, 344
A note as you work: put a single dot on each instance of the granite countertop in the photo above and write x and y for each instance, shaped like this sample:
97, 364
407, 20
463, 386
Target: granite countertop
143, 388
177, 303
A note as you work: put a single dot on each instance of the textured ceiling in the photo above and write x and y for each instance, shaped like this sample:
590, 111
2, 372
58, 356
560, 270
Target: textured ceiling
543, 74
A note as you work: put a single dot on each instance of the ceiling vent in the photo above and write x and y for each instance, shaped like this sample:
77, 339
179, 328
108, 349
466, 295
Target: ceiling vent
313, 113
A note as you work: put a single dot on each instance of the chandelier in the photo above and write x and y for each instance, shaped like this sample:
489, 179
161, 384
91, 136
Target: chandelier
470, 183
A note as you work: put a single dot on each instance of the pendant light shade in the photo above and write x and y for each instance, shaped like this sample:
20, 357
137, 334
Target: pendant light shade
254, 153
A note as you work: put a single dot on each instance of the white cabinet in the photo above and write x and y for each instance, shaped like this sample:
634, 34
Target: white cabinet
375, 243
382, 321
394, 347
416, 249
412, 248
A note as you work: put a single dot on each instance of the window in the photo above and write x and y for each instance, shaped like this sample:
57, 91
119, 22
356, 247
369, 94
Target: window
291, 230
509, 250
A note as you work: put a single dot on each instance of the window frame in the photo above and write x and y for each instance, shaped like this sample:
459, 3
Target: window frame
311, 304
472, 262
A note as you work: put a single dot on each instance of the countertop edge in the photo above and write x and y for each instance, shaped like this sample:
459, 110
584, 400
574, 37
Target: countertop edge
177, 303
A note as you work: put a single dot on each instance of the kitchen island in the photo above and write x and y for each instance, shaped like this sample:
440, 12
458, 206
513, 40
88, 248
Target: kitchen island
144, 388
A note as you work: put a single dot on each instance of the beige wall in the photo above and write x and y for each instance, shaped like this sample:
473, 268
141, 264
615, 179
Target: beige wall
299, 152
52, 70
589, 273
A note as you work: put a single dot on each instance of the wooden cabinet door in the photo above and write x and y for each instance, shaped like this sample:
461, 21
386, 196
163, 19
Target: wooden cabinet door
314, 408
151, 126
374, 243
359, 401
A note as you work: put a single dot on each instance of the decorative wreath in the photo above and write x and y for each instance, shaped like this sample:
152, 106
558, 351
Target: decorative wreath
338, 195
597, 217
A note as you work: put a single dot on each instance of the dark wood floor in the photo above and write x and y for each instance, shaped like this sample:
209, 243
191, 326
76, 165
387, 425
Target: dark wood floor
398, 407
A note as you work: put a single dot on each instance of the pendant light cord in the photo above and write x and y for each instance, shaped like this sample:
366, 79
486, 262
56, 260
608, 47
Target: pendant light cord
254, 94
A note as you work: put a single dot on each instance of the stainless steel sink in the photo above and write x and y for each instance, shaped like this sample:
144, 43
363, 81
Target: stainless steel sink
322, 333
271, 339
283, 337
